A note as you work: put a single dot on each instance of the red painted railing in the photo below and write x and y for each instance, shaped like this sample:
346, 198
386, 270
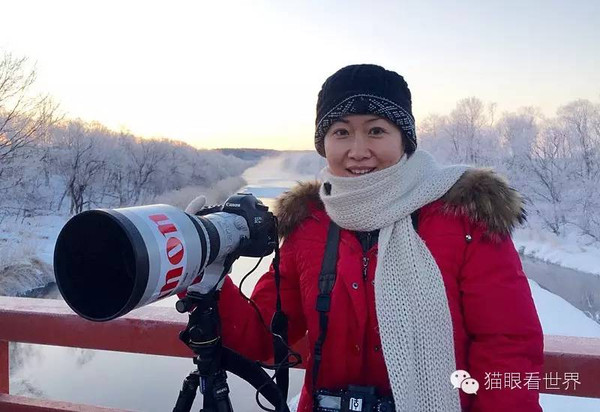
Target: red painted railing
154, 330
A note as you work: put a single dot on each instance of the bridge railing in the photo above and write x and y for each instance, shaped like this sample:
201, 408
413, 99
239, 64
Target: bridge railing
154, 331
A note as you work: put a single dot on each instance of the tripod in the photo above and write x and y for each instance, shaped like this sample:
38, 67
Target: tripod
203, 335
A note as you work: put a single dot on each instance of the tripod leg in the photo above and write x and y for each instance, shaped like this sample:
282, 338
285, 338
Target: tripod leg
187, 394
216, 393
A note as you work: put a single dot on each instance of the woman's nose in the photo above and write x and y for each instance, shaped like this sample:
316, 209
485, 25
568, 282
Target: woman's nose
359, 149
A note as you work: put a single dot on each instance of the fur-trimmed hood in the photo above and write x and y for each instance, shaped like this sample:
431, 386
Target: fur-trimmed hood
480, 193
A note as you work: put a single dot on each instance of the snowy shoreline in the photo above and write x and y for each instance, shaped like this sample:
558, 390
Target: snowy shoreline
566, 252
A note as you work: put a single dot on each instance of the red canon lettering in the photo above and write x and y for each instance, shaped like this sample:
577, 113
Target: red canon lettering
174, 251
164, 228
171, 280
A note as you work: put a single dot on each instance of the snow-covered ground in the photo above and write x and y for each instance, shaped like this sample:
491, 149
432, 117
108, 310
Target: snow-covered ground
27, 244
559, 317
566, 251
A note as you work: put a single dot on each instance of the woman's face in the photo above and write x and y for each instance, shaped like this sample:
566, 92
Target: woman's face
359, 144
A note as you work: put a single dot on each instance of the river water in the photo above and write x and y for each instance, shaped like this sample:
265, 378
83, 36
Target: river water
580, 289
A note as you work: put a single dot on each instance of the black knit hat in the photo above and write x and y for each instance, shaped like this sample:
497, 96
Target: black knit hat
365, 89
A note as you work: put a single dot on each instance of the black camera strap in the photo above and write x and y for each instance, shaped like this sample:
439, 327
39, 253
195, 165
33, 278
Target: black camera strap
279, 329
326, 282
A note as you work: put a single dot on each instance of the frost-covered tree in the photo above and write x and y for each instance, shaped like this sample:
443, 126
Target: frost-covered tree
549, 170
581, 122
25, 118
433, 137
581, 119
101, 168
465, 128
145, 159
554, 162
518, 132
466, 135
77, 161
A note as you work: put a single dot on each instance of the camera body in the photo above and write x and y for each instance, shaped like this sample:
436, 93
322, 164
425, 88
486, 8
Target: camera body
261, 223
355, 398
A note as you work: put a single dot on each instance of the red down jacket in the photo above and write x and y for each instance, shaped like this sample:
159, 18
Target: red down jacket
496, 326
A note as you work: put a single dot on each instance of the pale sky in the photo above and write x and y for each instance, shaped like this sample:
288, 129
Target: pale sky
247, 73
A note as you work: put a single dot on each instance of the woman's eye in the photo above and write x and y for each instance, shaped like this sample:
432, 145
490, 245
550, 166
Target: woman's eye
340, 132
376, 131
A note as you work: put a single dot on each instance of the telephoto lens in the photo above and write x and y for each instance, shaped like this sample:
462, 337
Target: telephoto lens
108, 262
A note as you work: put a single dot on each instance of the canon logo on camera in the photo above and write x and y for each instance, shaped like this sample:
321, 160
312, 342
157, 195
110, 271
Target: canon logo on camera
175, 252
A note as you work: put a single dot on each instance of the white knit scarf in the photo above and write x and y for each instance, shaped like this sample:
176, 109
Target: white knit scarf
411, 303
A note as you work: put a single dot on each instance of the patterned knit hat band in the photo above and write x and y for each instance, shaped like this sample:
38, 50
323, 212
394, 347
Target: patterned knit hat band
368, 104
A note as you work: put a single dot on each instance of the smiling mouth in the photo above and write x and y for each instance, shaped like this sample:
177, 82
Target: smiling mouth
359, 172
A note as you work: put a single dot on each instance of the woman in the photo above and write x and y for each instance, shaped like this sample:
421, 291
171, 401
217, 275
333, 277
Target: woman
427, 278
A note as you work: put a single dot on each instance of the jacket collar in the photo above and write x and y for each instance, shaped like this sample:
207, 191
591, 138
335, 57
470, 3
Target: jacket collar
480, 194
